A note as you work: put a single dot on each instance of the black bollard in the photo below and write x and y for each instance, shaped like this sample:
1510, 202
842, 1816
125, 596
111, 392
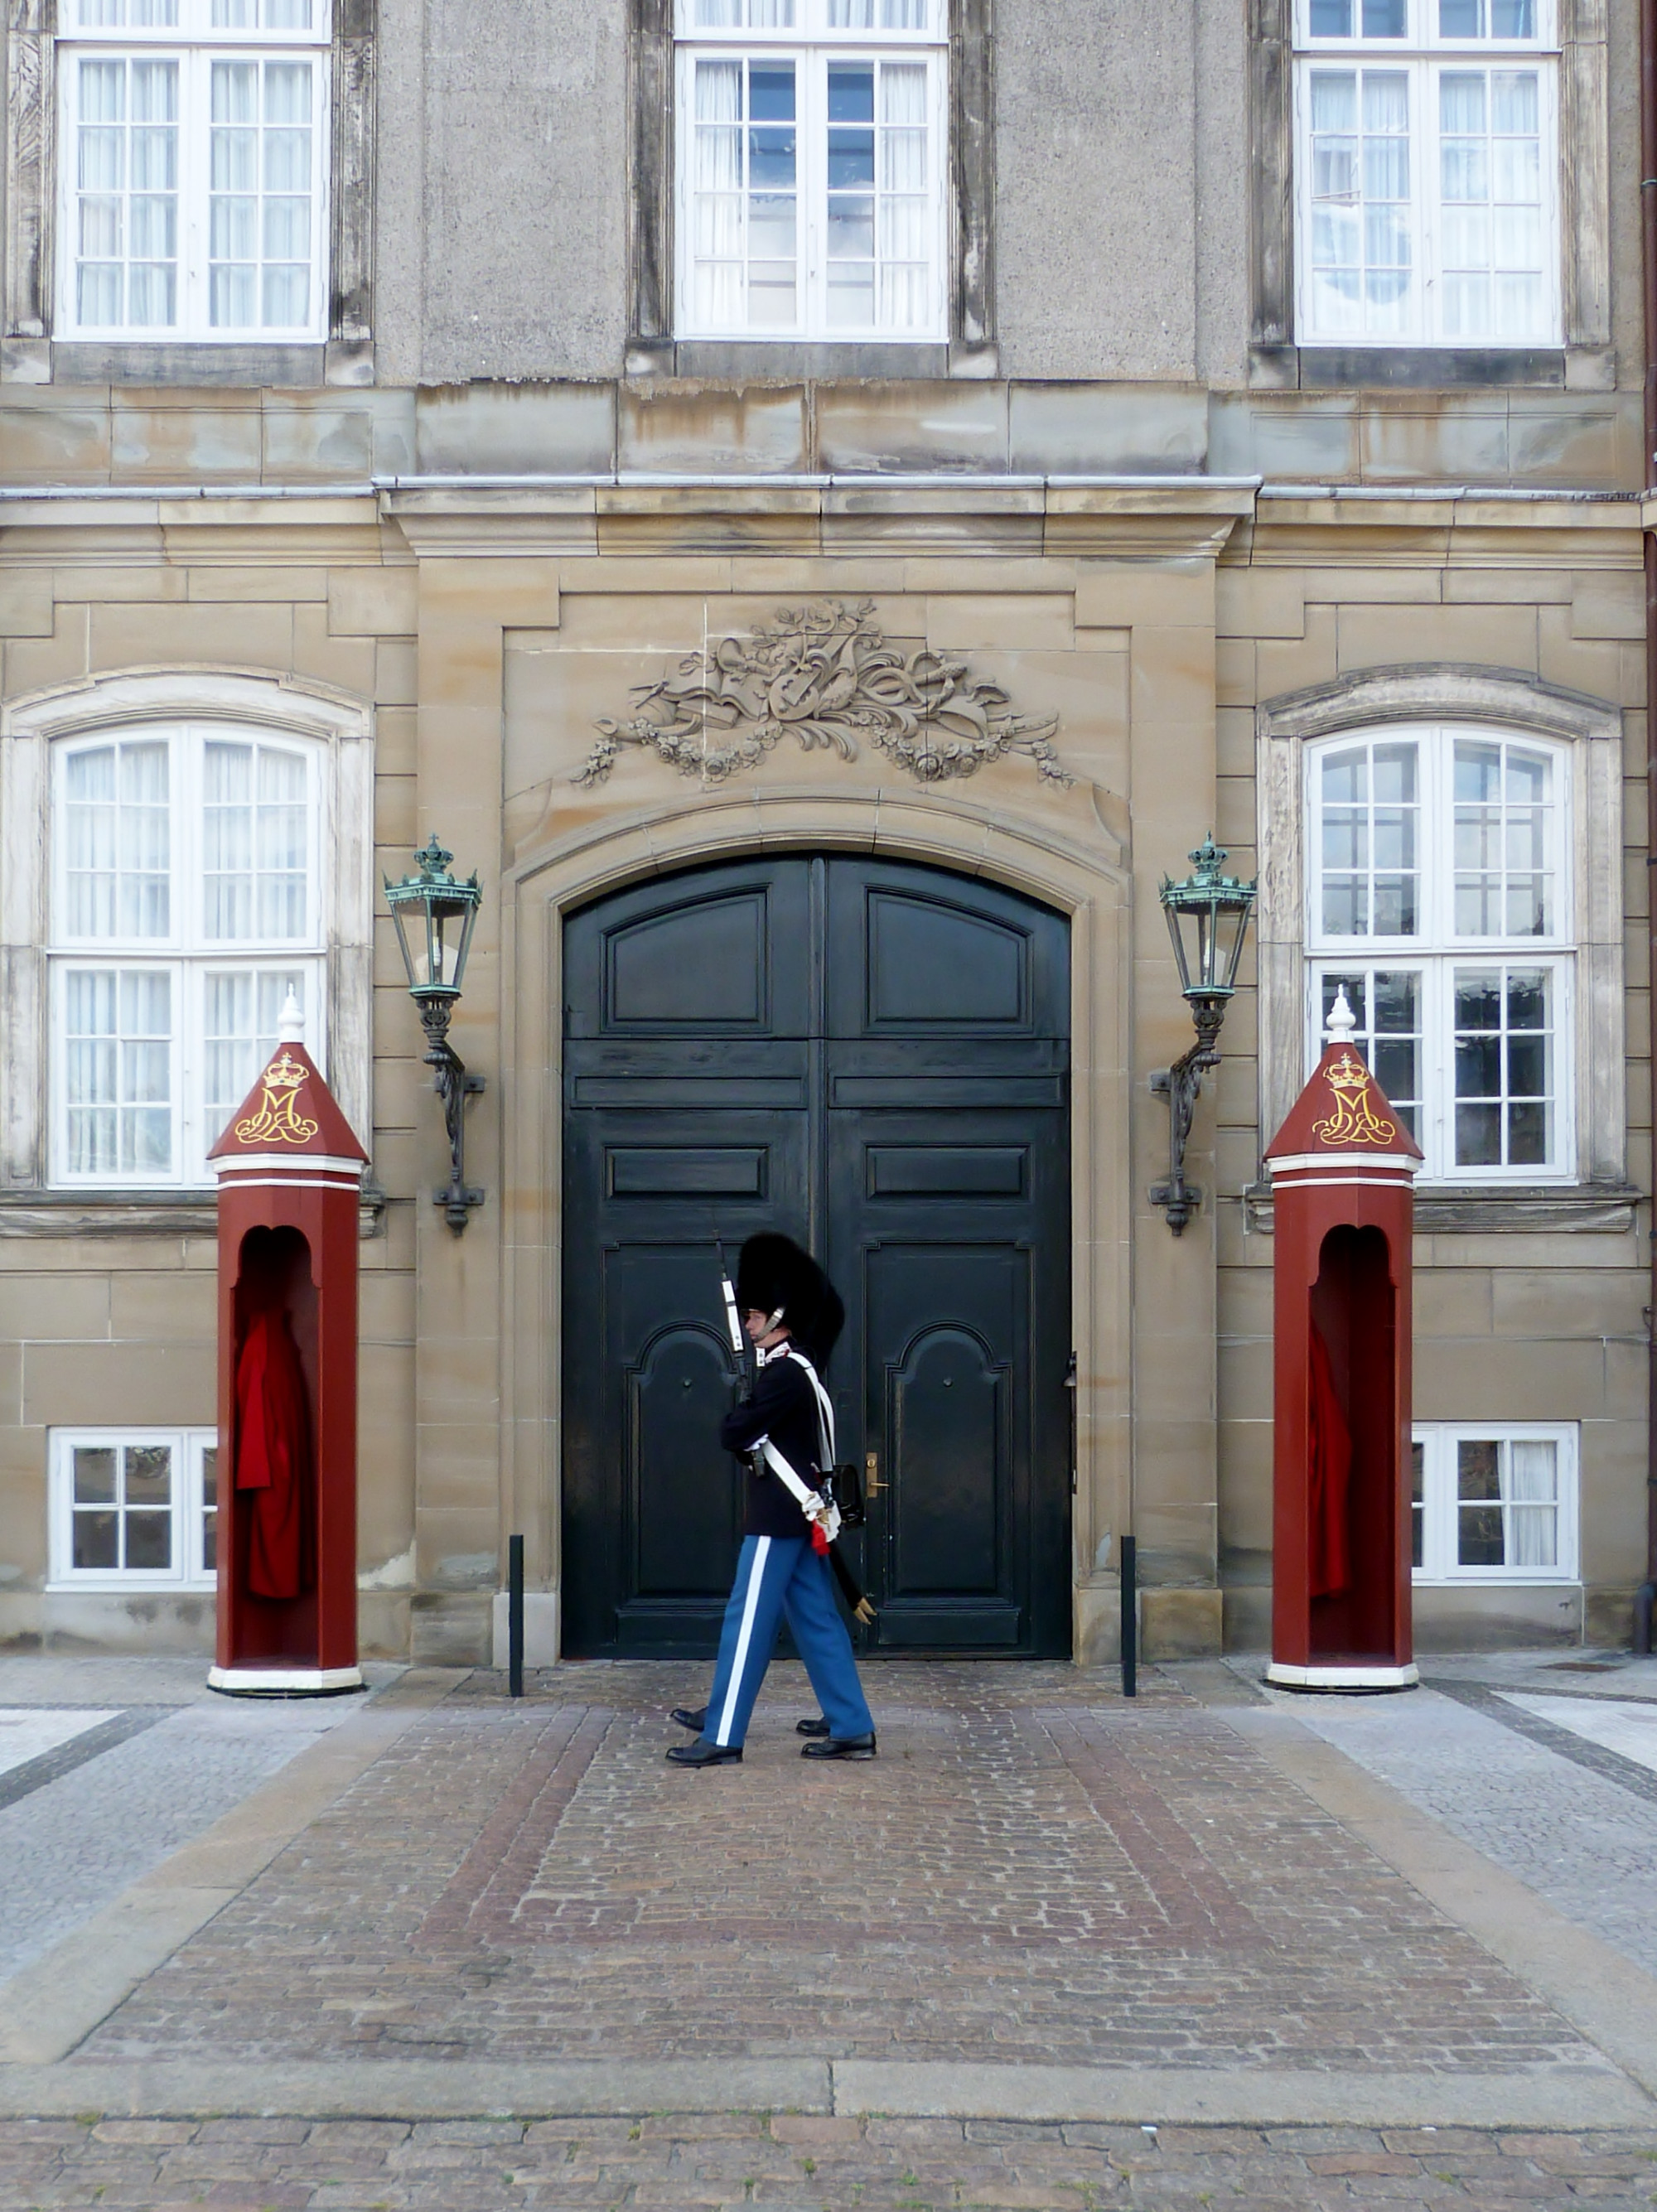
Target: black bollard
1130, 1618
515, 1615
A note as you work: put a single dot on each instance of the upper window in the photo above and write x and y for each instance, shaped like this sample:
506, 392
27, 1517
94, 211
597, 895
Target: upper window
1428, 173
812, 169
185, 906
1439, 903
193, 169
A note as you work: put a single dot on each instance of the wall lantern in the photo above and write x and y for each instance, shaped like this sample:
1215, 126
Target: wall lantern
1208, 920
439, 914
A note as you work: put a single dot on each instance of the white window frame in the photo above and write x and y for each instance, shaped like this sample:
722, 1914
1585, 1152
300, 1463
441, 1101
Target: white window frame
1423, 57
195, 43
1436, 953
1440, 1565
260, 706
188, 1571
812, 43
185, 954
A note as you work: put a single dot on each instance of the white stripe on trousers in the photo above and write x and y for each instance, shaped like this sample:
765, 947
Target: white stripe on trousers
744, 1637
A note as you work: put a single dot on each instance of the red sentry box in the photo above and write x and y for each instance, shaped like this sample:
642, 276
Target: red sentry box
1343, 1169
290, 1177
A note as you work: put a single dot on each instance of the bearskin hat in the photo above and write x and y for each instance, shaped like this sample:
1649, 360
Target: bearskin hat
772, 1271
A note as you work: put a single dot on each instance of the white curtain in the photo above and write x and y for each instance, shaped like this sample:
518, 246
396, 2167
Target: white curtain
281, 855
255, 824
119, 1053
906, 234
1519, 298
1532, 1503
117, 835
716, 192
285, 303
241, 1013
227, 843
233, 208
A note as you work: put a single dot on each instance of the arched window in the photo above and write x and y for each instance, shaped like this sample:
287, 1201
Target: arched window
184, 847
1440, 898
186, 903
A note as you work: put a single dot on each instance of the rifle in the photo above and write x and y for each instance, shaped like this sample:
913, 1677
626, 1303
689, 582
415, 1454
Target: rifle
861, 1608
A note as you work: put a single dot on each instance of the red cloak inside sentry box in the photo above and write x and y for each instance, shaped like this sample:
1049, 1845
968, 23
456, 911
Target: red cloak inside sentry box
290, 1178
1343, 1169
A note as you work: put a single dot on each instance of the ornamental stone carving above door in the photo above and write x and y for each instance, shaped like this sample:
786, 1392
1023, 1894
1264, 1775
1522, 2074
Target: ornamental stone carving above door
824, 675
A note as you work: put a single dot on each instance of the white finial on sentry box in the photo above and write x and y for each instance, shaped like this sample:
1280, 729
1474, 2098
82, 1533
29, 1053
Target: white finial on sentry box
1342, 1024
290, 1027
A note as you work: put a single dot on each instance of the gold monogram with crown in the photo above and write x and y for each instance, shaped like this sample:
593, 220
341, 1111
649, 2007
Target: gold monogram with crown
1354, 1120
277, 1120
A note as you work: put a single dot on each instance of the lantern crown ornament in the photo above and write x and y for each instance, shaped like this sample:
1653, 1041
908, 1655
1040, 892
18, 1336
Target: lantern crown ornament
1208, 920
440, 912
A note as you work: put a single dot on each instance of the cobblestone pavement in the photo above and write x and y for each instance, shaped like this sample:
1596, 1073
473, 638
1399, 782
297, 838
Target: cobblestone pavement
1032, 1872
1585, 1838
703, 2164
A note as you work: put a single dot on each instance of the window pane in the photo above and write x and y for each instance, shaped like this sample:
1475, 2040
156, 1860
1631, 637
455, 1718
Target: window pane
210, 1508
259, 211
1504, 1066
1491, 183
1418, 1505
96, 1540
1331, 19
1386, 1009
148, 1542
1361, 227
116, 841
1479, 1509
125, 217
150, 1474
1369, 838
256, 834
1533, 1488
242, 1015
117, 1071
1503, 840
94, 1474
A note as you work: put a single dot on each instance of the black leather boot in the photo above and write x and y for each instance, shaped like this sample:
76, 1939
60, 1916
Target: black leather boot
837, 1747
817, 1726
696, 1722
704, 1753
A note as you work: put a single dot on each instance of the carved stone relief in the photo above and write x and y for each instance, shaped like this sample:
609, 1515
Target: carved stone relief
825, 676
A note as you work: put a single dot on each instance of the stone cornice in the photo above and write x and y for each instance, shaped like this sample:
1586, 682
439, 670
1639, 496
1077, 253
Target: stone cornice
1127, 517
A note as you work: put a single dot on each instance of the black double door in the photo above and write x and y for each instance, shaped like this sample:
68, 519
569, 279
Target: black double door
874, 1060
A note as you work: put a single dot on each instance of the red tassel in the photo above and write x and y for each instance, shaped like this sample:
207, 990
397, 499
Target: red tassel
819, 1538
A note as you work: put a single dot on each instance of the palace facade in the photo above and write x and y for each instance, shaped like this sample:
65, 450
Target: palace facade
824, 504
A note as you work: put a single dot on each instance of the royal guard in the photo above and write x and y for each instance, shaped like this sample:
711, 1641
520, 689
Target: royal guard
785, 1428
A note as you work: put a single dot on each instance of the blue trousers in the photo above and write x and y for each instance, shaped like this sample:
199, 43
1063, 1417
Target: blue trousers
778, 1575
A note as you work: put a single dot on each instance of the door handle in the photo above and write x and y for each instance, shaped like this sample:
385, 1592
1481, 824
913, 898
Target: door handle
872, 1484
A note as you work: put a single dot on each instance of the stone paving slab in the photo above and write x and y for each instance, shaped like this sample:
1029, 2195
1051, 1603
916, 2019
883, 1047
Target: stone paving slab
1582, 1839
1033, 1873
688, 2163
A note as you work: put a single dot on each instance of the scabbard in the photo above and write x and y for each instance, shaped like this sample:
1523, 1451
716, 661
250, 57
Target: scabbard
848, 1586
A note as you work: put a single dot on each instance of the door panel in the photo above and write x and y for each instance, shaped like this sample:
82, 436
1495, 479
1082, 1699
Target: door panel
878, 1068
